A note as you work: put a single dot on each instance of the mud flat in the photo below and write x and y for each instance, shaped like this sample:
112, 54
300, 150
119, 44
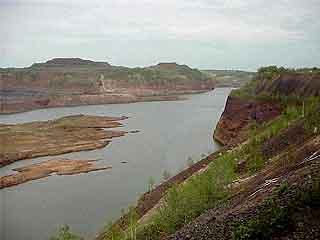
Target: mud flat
63, 135
47, 168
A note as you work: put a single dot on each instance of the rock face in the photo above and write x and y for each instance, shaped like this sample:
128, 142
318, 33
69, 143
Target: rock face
74, 81
298, 84
239, 114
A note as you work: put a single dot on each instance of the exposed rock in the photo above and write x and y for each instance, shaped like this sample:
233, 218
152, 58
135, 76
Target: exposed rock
63, 135
47, 168
74, 81
239, 114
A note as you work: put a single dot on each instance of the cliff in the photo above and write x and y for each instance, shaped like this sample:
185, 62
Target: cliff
271, 128
239, 115
264, 184
74, 81
262, 99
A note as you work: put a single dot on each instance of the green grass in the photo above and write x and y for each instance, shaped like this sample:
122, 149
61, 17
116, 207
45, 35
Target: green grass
64, 233
186, 201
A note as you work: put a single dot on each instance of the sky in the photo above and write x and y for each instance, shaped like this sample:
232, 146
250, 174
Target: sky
205, 34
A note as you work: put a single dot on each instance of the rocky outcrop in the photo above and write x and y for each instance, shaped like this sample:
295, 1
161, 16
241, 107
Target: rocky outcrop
239, 114
248, 108
74, 81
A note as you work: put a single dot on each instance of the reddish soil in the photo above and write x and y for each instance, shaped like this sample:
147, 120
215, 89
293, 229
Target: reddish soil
293, 135
239, 114
74, 81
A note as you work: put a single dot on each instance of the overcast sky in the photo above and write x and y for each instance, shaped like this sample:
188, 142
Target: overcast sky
217, 34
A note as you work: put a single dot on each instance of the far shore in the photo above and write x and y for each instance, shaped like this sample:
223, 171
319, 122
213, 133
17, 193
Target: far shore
86, 100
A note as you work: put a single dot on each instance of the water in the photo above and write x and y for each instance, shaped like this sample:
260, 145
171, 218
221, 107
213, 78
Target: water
170, 133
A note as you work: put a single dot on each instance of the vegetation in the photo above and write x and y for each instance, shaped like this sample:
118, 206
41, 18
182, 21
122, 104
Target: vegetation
183, 203
151, 184
87, 74
186, 201
274, 216
230, 78
166, 175
265, 76
64, 233
190, 161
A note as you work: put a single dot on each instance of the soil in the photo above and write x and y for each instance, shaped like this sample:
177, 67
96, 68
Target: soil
64, 135
151, 198
239, 114
47, 168
299, 173
293, 135
294, 84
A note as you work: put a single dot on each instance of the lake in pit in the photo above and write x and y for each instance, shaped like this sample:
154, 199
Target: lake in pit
170, 133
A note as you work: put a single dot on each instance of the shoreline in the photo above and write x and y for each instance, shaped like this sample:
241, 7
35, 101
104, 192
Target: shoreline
55, 137
49, 168
150, 199
152, 98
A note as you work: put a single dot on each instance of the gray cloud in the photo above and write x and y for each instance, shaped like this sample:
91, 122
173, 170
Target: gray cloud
203, 33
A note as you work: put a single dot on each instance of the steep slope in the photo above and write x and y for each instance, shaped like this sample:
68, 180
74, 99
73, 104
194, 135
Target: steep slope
230, 78
239, 114
280, 198
279, 81
280, 202
74, 81
263, 99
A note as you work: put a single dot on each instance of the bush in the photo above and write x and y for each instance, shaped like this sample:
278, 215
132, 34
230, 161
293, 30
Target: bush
64, 233
184, 202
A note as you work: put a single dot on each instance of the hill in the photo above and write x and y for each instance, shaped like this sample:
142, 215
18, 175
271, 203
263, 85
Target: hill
230, 78
74, 81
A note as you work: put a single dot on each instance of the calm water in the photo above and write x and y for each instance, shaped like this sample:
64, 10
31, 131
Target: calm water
170, 133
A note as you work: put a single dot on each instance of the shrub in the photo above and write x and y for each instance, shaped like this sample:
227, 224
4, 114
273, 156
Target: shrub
64, 233
184, 202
